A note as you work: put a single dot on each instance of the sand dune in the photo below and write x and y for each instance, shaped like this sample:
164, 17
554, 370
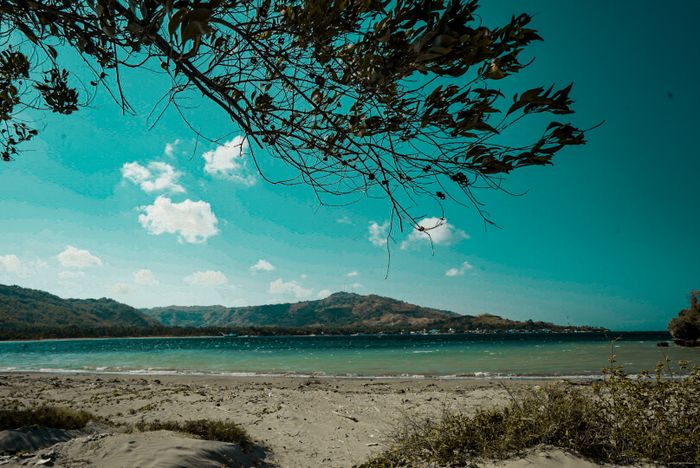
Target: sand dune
155, 450
29, 439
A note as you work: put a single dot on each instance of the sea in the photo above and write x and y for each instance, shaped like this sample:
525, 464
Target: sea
471, 355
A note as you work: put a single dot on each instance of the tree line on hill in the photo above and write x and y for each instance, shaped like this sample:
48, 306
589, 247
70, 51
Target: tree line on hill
45, 333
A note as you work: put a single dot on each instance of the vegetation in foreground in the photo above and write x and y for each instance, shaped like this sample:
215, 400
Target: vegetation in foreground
66, 418
625, 420
46, 416
223, 431
329, 89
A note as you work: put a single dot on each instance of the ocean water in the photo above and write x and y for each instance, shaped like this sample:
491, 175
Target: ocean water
457, 355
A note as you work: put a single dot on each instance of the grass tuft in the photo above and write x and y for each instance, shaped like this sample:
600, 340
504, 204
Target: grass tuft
625, 420
223, 431
46, 416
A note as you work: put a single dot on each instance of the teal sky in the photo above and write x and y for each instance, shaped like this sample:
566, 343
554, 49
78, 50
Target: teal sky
610, 235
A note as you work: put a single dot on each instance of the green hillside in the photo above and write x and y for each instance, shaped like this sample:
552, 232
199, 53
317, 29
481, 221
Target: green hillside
348, 311
29, 313
22, 308
337, 310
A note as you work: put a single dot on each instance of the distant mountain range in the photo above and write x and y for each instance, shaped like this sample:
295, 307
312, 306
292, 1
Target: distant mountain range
32, 313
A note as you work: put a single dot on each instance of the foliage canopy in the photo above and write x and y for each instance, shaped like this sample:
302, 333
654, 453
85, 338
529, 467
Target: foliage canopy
395, 98
685, 328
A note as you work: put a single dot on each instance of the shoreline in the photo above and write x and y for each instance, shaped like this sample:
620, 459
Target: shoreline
284, 379
477, 376
516, 332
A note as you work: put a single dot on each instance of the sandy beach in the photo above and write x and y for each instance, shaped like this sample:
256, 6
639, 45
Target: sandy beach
295, 422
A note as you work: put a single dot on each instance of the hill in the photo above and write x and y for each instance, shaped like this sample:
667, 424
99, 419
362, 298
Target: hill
23, 308
342, 310
28, 313
337, 310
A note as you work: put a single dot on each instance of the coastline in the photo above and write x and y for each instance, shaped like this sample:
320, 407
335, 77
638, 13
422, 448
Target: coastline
477, 376
486, 332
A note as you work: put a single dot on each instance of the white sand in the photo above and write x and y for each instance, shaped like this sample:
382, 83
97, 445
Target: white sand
295, 422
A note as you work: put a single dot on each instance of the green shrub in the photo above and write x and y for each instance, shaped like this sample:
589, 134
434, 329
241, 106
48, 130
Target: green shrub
647, 418
223, 431
685, 328
47, 416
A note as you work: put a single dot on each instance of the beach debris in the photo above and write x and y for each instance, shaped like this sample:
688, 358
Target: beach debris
99, 436
351, 418
47, 458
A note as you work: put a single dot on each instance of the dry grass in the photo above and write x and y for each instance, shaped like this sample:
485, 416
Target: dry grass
223, 431
647, 418
46, 416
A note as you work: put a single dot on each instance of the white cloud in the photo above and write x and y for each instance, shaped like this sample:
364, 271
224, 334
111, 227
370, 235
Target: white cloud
279, 286
262, 265
121, 289
156, 177
436, 229
73, 257
207, 278
356, 286
10, 264
378, 233
323, 293
145, 277
67, 275
343, 220
459, 271
229, 161
352, 274
170, 148
192, 221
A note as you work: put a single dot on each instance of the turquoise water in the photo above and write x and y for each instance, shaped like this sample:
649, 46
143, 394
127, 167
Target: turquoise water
575, 354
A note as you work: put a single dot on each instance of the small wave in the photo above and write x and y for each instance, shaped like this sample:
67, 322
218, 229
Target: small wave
420, 352
151, 372
477, 375
58, 371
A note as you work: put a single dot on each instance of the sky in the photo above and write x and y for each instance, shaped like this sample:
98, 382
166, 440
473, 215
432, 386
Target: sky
103, 205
